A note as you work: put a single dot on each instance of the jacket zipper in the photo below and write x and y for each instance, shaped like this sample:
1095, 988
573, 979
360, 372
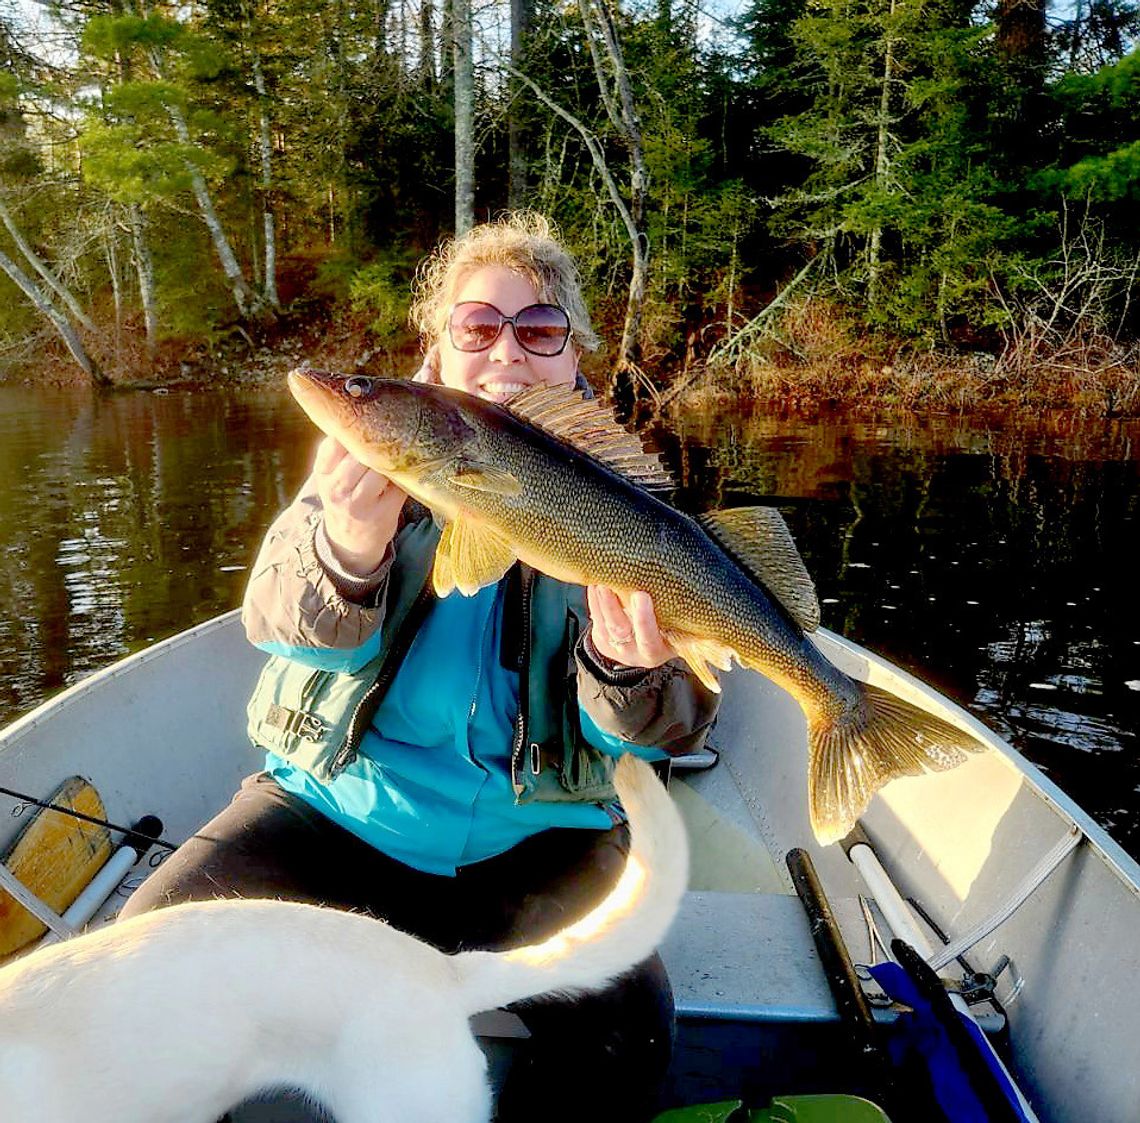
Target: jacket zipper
370, 701
521, 720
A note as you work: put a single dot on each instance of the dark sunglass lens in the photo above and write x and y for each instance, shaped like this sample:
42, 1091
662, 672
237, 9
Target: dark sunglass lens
543, 329
474, 327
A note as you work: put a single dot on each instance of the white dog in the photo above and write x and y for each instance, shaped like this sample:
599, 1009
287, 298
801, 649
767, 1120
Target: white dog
177, 1015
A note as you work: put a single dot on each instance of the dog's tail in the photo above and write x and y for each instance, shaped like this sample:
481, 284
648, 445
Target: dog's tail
624, 929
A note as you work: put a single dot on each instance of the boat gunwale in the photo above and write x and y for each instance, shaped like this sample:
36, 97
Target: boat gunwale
25, 723
1101, 843
1110, 852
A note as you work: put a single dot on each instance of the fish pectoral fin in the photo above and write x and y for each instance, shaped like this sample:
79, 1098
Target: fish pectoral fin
469, 556
442, 574
485, 477
699, 652
760, 542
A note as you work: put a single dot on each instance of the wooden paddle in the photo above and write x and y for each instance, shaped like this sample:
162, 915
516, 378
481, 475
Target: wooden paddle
54, 857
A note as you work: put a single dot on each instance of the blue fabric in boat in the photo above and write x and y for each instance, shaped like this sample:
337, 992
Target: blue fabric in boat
431, 784
921, 1035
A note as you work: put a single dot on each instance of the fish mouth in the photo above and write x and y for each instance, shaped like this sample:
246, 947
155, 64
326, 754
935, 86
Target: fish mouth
356, 411
307, 388
321, 395
311, 387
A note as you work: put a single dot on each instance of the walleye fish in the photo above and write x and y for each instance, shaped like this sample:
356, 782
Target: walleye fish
551, 479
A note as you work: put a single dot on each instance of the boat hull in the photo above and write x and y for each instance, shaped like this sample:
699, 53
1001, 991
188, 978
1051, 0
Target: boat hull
163, 733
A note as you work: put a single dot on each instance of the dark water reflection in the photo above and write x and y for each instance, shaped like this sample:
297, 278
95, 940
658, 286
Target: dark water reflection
995, 561
127, 518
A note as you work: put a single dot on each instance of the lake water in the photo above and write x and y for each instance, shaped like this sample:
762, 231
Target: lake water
996, 560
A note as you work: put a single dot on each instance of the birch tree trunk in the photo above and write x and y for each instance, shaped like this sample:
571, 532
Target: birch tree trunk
113, 271
464, 116
269, 229
48, 277
57, 319
265, 153
622, 112
247, 303
637, 238
244, 298
516, 146
882, 157
144, 269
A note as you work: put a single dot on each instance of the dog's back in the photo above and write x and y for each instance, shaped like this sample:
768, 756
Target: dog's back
179, 1014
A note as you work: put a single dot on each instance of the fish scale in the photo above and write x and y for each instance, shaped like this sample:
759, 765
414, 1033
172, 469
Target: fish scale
551, 479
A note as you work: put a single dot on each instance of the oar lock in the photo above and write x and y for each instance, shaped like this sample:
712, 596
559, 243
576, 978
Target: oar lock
973, 986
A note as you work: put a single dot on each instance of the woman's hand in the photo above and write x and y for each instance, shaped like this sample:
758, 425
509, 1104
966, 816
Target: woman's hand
361, 507
626, 633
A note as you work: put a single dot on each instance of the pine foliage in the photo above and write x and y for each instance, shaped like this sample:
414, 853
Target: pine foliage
913, 168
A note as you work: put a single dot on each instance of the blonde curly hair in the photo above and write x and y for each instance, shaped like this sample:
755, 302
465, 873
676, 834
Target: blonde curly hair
524, 242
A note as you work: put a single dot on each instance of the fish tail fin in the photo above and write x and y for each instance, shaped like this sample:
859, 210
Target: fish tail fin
877, 739
624, 927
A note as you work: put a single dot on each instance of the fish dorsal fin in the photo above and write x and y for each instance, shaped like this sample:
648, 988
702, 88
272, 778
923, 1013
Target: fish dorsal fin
468, 557
760, 541
588, 425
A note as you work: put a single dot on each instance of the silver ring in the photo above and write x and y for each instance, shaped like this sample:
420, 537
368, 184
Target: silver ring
621, 641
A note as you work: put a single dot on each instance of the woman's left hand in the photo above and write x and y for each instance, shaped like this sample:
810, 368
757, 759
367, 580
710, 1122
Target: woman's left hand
626, 633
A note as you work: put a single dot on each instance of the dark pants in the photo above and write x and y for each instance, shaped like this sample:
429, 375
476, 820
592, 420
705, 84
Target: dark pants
599, 1057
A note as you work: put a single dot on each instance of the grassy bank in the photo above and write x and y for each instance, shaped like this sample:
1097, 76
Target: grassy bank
943, 382
813, 358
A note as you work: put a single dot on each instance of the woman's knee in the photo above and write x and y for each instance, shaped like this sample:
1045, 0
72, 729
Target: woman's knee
260, 845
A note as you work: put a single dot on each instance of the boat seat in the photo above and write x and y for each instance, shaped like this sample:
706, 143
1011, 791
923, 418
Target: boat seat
754, 1012
746, 957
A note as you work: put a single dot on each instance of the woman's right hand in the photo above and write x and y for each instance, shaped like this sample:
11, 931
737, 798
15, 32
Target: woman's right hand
361, 507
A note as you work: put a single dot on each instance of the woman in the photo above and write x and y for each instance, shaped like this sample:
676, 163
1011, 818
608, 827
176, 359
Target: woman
445, 764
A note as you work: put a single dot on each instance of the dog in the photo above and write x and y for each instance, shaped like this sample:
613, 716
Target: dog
177, 1015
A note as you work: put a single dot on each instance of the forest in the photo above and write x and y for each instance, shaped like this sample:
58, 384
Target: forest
914, 201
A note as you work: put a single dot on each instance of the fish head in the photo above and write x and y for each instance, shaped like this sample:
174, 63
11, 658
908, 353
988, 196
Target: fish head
396, 427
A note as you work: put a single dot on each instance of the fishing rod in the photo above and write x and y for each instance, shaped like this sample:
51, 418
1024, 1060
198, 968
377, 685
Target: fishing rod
128, 832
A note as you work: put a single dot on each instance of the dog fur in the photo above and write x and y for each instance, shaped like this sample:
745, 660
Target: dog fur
177, 1015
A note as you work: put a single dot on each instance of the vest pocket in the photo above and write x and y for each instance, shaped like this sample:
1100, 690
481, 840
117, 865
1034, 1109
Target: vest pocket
586, 773
289, 714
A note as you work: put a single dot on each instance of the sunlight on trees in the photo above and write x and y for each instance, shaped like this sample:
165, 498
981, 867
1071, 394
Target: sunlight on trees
175, 177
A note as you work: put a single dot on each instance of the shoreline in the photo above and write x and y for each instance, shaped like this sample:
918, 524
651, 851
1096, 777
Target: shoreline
961, 385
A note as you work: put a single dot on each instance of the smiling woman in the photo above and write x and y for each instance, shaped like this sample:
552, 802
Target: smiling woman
446, 762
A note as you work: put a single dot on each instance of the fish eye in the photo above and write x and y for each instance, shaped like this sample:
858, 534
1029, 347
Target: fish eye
358, 386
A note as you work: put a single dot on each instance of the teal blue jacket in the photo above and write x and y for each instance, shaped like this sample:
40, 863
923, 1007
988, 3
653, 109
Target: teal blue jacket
443, 732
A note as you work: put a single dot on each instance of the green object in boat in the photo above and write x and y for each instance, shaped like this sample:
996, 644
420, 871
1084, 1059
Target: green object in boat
701, 1113
783, 1109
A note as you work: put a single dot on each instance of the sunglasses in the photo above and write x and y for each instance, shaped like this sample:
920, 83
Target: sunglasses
541, 329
